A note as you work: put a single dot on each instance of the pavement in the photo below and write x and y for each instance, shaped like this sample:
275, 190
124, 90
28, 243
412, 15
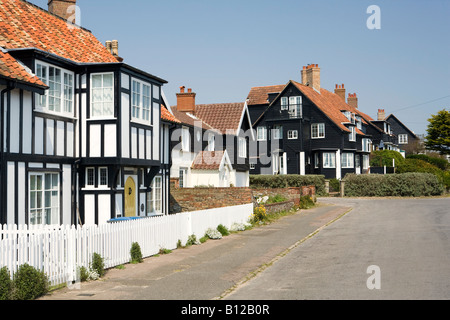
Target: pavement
212, 270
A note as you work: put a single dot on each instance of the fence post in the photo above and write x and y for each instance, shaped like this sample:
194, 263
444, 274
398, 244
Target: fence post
342, 188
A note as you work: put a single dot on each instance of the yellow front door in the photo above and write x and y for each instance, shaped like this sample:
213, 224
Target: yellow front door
130, 198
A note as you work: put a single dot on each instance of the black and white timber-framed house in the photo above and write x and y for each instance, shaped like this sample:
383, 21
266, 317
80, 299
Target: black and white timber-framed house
82, 131
302, 128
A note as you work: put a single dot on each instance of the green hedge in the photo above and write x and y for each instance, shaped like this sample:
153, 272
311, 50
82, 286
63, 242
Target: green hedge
418, 165
290, 180
381, 158
412, 184
438, 162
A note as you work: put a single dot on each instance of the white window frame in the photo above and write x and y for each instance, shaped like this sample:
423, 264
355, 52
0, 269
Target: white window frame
66, 92
242, 145
185, 139
102, 101
296, 106
90, 170
277, 132
292, 134
141, 101
100, 183
366, 161
318, 131
211, 142
183, 172
329, 160
38, 202
352, 134
154, 197
347, 160
402, 139
284, 103
261, 133
316, 161
366, 145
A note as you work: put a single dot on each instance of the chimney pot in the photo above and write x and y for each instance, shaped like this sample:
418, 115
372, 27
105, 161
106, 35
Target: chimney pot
186, 101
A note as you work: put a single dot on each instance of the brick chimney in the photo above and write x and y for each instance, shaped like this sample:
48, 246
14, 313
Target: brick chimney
340, 91
381, 114
311, 76
61, 8
353, 100
186, 100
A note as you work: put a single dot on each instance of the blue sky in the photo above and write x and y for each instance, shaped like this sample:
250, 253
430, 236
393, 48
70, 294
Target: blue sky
221, 49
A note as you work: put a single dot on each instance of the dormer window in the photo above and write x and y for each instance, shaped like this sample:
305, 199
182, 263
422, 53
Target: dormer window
59, 98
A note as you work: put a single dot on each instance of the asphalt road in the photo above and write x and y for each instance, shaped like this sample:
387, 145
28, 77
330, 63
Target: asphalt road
384, 249
322, 253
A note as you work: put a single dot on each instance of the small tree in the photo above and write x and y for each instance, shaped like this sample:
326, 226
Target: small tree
438, 137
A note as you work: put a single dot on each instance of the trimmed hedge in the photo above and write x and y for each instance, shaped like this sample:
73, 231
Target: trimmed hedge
412, 184
290, 180
382, 158
417, 165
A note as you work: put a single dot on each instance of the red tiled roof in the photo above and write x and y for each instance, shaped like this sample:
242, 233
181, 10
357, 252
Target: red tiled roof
189, 119
208, 160
10, 68
221, 116
24, 25
260, 95
330, 104
167, 116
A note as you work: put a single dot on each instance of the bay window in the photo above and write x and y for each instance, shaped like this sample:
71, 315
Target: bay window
347, 160
141, 101
329, 160
59, 98
102, 95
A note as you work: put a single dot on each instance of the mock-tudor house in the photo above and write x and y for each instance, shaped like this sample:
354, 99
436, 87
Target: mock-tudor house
302, 128
210, 146
82, 136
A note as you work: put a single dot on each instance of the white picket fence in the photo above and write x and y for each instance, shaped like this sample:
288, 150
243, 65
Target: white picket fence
60, 251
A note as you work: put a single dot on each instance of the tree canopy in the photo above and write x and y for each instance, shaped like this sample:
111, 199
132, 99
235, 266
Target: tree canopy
438, 137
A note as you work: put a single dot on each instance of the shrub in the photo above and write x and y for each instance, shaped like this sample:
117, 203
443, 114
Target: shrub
192, 240
306, 202
410, 184
290, 180
223, 230
259, 215
418, 165
237, 227
98, 264
382, 158
5, 284
438, 162
84, 274
213, 234
135, 253
335, 185
29, 283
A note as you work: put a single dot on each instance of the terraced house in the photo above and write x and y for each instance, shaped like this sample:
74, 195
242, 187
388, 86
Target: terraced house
81, 131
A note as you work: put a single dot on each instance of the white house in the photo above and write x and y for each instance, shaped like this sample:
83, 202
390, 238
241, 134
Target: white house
210, 147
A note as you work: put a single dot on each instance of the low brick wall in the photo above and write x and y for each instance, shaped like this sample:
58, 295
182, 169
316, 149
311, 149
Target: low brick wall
194, 199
